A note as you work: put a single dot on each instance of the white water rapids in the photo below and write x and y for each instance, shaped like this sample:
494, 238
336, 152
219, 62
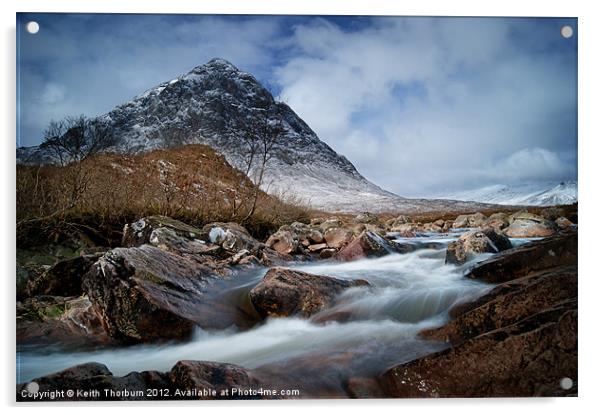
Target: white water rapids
408, 293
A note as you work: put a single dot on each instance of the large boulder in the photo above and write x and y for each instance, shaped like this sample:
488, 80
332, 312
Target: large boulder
63, 278
337, 237
65, 322
560, 250
508, 304
476, 242
219, 377
497, 221
146, 294
526, 359
529, 225
367, 245
285, 292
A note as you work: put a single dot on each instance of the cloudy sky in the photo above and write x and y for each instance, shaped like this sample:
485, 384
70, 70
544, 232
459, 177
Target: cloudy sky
421, 106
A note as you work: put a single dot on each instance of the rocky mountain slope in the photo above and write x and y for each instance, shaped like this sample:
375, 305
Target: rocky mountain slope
528, 194
212, 103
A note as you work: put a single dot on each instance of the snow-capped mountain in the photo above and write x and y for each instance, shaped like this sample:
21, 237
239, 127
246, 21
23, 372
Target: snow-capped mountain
209, 104
528, 194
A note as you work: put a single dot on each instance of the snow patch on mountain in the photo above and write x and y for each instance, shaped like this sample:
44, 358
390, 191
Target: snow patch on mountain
527, 194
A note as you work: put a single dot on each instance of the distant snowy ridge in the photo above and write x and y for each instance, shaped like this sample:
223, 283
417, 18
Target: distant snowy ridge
209, 103
528, 194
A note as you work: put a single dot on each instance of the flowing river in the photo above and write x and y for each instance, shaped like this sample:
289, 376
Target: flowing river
408, 293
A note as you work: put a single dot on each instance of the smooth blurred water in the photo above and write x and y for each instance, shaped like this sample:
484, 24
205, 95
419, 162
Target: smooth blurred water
407, 293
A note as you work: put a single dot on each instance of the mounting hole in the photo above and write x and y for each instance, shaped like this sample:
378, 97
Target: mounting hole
566, 383
32, 27
33, 388
566, 32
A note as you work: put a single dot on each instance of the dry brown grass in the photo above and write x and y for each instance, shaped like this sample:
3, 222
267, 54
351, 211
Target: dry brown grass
191, 183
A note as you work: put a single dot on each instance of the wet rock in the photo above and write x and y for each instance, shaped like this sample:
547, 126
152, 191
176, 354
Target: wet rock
283, 242
187, 380
476, 242
97, 377
525, 359
65, 322
147, 294
367, 245
337, 237
529, 225
560, 250
508, 304
285, 292
63, 278
198, 375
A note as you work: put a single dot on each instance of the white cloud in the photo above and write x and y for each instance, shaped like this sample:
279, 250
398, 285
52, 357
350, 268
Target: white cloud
434, 102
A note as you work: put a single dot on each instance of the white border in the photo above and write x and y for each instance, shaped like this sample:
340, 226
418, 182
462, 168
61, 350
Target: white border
590, 34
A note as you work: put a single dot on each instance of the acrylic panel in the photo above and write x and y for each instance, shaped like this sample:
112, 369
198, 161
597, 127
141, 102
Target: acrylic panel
295, 207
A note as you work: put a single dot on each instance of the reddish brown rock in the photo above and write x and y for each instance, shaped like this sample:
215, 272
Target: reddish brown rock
337, 237
529, 225
526, 359
514, 263
218, 377
508, 304
283, 242
475, 242
285, 292
367, 245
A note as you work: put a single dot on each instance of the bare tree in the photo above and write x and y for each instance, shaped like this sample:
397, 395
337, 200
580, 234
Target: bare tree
72, 141
261, 134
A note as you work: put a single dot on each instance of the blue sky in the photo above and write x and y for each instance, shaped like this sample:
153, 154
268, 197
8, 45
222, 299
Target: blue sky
421, 106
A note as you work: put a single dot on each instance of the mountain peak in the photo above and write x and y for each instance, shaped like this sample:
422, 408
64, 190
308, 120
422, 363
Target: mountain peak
220, 63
